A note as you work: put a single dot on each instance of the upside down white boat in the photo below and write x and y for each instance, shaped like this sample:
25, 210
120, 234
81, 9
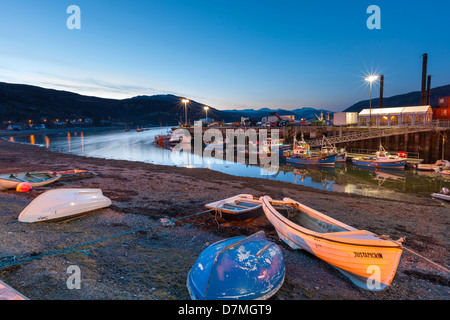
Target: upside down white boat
63, 203
370, 261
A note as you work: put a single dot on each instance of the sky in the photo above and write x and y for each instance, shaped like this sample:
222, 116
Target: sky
229, 54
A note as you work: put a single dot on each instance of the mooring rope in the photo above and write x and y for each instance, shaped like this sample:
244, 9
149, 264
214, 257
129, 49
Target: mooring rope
18, 259
417, 254
430, 261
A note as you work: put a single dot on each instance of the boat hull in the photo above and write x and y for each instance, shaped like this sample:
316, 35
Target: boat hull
400, 165
368, 261
325, 161
63, 203
35, 179
441, 196
341, 157
239, 268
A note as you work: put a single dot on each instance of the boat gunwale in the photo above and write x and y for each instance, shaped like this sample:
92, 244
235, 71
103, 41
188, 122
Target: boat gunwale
218, 205
388, 243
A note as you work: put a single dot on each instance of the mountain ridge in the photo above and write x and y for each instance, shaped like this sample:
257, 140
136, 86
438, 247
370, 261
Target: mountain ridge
23, 102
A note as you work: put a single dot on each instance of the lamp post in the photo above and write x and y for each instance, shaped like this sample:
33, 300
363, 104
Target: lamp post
206, 110
185, 101
371, 79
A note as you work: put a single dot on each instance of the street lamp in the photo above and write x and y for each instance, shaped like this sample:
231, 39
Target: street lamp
371, 79
206, 110
185, 101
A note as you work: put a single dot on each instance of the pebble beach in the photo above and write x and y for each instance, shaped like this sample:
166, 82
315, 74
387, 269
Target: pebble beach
153, 263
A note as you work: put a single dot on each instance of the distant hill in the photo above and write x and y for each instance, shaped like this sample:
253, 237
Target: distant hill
19, 102
402, 100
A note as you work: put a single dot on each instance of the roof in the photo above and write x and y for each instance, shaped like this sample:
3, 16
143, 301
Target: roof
399, 110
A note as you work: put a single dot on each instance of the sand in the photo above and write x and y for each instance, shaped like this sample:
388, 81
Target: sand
153, 263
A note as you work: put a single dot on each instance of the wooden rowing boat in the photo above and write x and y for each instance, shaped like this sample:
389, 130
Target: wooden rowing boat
63, 203
241, 268
35, 179
369, 260
240, 207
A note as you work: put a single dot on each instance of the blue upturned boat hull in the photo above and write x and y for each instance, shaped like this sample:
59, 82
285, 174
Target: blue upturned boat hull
244, 268
324, 161
383, 165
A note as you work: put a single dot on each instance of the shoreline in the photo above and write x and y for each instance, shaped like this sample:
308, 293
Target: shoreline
392, 194
6, 133
154, 264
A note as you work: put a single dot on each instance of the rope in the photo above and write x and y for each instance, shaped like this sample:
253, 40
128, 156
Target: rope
13, 260
432, 262
420, 256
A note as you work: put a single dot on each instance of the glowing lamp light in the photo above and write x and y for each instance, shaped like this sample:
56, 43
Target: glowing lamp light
185, 101
371, 78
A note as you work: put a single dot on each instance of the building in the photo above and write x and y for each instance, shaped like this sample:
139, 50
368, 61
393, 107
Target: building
442, 112
345, 118
396, 117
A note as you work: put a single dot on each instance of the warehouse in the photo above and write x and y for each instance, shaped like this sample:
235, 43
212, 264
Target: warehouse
396, 117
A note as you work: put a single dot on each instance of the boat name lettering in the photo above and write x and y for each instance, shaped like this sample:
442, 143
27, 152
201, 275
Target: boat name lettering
368, 255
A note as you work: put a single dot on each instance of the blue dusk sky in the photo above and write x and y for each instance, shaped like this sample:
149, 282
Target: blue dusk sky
229, 54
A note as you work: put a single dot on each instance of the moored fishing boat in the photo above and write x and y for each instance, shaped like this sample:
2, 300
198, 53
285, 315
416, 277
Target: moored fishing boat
35, 179
382, 159
63, 203
240, 207
369, 260
312, 160
274, 145
329, 149
240, 268
301, 154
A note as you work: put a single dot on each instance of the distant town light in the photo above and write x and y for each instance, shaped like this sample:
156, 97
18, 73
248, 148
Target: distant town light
206, 110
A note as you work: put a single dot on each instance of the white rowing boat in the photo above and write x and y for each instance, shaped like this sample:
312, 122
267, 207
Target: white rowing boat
240, 207
370, 261
63, 203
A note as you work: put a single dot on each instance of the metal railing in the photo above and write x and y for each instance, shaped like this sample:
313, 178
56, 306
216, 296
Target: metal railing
412, 155
378, 132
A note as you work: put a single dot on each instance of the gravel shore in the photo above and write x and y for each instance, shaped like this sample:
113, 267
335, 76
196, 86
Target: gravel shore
154, 263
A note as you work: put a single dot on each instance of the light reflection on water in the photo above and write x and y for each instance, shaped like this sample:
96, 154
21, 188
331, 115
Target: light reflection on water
344, 177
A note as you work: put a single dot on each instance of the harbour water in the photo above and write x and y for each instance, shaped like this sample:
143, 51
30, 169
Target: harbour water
343, 177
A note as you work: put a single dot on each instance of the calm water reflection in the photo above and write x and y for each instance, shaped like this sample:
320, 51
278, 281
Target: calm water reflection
139, 146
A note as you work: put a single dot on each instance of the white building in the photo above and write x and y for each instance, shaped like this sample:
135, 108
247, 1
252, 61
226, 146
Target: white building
345, 118
396, 117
